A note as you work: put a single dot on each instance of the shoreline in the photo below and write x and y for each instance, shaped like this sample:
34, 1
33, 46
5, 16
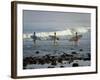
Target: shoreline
55, 61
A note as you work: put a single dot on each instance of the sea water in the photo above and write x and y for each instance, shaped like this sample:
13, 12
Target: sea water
64, 46
47, 46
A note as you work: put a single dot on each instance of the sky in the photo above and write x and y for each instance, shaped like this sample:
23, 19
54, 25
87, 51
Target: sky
51, 21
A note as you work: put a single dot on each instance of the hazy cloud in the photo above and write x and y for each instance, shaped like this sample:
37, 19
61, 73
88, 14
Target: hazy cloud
44, 21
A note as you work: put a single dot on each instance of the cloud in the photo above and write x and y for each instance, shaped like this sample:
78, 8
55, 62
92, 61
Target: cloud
48, 21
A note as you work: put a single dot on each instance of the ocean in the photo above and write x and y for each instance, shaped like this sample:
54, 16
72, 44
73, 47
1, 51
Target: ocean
44, 48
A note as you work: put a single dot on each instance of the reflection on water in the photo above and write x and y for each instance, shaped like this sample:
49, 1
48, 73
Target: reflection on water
44, 54
48, 46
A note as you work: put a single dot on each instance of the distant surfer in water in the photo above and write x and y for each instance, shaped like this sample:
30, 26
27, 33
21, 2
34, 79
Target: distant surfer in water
55, 38
76, 39
34, 38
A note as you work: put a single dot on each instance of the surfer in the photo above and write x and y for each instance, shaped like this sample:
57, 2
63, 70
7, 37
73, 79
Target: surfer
75, 38
34, 38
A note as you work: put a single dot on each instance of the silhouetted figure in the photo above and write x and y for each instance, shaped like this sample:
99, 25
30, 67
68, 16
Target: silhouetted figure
54, 38
76, 38
34, 38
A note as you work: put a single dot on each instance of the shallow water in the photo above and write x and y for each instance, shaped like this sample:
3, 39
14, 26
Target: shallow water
47, 46
61, 47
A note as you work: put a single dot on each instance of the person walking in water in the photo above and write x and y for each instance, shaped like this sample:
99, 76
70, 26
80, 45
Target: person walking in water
54, 38
34, 38
76, 39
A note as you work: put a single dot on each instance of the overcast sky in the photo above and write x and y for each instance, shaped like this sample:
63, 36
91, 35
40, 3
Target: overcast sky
48, 21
